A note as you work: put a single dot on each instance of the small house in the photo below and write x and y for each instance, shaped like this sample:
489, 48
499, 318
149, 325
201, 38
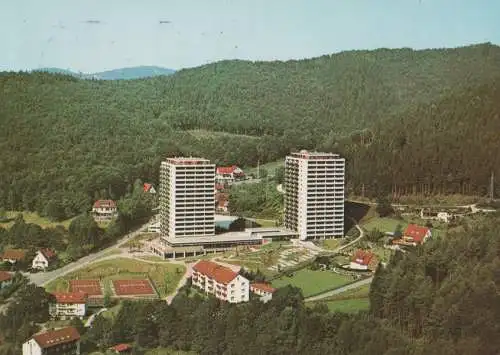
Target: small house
5, 279
13, 255
362, 260
68, 305
43, 258
104, 210
149, 188
264, 290
121, 349
414, 235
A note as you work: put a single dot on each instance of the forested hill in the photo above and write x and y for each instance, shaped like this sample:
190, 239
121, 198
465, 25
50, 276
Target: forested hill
407, 121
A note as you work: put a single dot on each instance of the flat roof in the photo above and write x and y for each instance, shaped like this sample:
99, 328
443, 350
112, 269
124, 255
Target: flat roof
224, 218
187, 161
304, 154
229, 237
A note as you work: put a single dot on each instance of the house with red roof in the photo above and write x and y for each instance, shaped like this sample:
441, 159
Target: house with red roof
149, 188
264, 290
43, 258
228, 174
221, 202
5, 279
121, 349
362, 260
220, 281
13, 255
61, 341
68, 305
414, 235
104, 210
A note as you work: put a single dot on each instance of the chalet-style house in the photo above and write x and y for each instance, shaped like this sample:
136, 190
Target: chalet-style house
104, 210
363, 260
43, 258
68, 305
5, 279
13, 255
265, 291
149, 188
228, 174
220, 281
413, 235
64, 341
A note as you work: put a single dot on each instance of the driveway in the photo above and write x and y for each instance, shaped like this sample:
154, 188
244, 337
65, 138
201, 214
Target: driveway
42, 278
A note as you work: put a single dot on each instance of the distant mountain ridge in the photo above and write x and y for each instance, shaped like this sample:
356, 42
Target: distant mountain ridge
115, 74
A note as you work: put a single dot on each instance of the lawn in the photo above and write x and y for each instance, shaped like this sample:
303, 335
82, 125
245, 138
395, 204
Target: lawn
331, 244
165, 276
166, 351
384, 224
312, 282
353, 305
266, 222
32, 217
269, 167
112, 312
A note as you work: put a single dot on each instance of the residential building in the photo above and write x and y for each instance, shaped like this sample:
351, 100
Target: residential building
5, 279
68, 305
13, 255
220, 281
187, 200
362, 260
104, 210
121, 349
149, 188
314, 194
64, 341
265, 291
228, 174
43, 258
414, 235
222, 202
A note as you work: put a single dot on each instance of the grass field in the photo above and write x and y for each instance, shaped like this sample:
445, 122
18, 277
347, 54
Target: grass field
331, 244
312, 282
348, 306
266, 222
165, 276
384, 224
32, 217
269, 167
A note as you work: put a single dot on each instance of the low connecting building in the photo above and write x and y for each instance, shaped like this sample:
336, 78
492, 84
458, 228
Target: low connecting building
64, 341
68, 305
220, 281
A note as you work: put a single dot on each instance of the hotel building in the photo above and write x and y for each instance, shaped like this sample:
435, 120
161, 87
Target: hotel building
314, 194
68, 305
187, 200
220, 281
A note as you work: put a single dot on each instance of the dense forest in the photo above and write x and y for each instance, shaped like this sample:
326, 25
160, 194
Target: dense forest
442, 298
408, 121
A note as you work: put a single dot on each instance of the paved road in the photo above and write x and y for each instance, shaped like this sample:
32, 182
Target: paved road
43, 278
341, 289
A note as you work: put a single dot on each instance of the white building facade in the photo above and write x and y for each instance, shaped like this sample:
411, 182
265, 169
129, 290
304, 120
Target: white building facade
314, 194
69, 305
220, 281
187, 201
65, 341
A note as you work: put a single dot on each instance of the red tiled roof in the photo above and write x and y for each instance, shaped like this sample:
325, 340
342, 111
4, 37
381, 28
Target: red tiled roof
147, 187
121, 347
219, 273
225, 169
14, 254
48, 253
104, 203
417, 233
263, 287
70, 297
363, 257
56, 337
5, 276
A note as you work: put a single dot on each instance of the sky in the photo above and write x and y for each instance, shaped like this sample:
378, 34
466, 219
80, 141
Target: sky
95, 35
